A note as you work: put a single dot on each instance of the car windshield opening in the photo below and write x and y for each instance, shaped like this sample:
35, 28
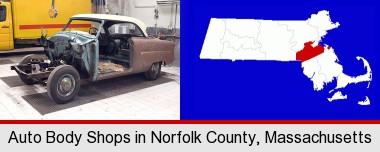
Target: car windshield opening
83, 25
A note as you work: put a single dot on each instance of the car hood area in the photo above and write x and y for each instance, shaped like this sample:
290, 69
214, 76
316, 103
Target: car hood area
78, 37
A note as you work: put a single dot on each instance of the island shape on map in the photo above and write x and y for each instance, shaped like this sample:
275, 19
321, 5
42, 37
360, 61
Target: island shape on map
283, 41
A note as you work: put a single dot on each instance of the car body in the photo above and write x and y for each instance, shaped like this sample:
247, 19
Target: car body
104, 52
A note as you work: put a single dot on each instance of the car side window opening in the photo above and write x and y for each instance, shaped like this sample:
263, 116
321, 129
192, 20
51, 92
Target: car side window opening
3, 13
125, 28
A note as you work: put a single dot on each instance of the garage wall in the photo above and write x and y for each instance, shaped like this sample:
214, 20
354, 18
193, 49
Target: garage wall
144, 10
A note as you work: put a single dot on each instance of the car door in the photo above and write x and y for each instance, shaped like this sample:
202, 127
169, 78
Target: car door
4, 28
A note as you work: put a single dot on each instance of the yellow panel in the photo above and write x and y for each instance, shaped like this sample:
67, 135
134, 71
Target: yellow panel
30, 15
11, 43
6, 35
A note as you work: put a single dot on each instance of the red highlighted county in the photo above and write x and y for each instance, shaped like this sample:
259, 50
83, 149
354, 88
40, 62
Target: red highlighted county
309, 52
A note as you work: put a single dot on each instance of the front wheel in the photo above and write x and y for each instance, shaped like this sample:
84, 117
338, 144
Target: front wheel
63, 84
154, 71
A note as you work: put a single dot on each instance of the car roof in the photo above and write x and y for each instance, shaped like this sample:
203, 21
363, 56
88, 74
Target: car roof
109, 17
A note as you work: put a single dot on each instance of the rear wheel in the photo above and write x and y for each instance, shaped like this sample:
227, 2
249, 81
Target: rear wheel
29, 58
63, 84
25, 60
154, 71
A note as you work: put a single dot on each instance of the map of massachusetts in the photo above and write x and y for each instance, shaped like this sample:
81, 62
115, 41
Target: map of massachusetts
284, 41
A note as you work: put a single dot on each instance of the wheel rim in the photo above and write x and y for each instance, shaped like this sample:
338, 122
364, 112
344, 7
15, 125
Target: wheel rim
66, 85
155, 68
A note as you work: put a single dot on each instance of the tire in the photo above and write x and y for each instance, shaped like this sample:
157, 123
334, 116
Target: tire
154, 71
25, 60
63, 84
31, 57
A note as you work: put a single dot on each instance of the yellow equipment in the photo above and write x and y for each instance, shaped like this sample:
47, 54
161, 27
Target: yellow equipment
21, 20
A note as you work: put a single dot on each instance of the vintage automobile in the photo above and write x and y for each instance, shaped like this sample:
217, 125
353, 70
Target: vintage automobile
114, 46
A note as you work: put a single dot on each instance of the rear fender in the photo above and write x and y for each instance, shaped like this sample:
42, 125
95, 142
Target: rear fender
151, 50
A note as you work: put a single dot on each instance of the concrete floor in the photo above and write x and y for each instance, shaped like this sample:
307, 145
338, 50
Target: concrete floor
161, 101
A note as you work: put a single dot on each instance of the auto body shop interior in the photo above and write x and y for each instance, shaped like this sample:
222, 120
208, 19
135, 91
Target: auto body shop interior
90, 59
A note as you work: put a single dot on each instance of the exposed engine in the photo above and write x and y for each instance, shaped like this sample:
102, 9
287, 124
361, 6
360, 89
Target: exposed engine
59, 48
66, 47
